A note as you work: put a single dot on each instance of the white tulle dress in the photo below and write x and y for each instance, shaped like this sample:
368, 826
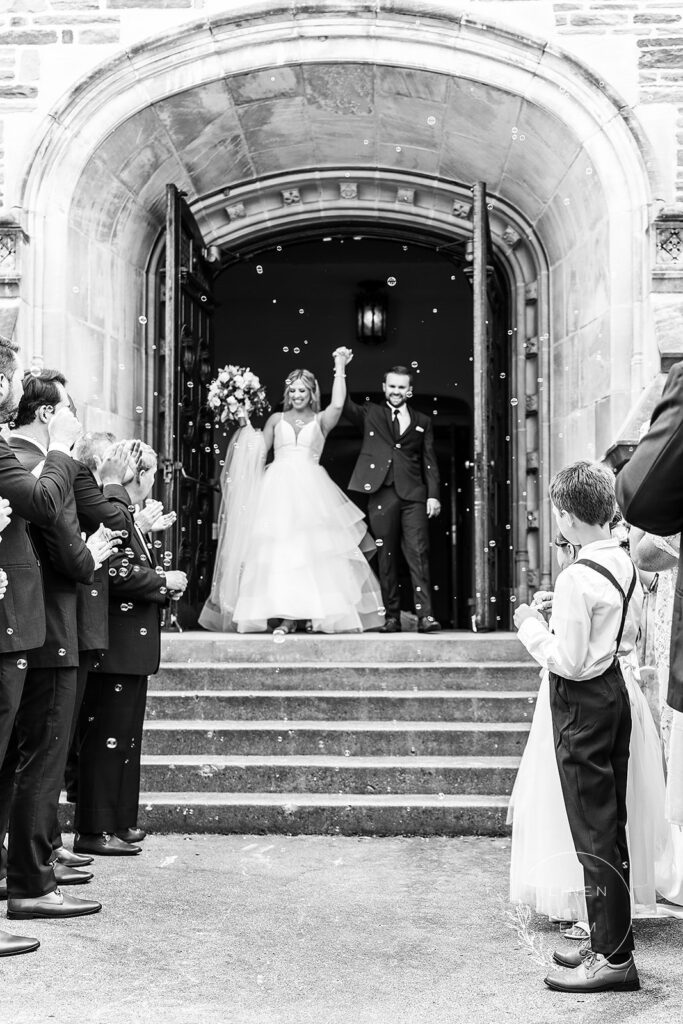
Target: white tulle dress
290, 542
544, 870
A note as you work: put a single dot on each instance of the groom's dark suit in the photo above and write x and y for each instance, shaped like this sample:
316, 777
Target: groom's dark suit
650, 495
399, 475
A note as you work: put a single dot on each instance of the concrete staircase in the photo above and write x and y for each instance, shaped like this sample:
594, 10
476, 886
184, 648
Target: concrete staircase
357, 735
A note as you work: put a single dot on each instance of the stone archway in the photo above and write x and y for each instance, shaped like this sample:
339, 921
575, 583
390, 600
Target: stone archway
258, 119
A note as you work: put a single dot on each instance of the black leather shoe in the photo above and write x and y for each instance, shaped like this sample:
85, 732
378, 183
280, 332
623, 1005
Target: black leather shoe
13, 945
72, 860
596, 974
70, 876
390, 626
571, 957
105, 845
52, 904
428, 624
131, 835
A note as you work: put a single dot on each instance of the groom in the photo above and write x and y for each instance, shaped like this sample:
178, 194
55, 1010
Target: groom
397, 469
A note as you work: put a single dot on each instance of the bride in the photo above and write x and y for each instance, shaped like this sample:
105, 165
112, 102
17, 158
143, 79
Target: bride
290, 542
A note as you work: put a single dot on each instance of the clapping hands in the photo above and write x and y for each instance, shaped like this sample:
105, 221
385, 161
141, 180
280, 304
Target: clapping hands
103, 543
151, 518
120, 463
3, 583
5, 513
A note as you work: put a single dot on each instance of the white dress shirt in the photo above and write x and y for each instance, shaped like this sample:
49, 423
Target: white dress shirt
586, 615
403, 416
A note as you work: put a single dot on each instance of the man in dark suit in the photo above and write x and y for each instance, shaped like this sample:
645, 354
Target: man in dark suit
40, 500
33, 769
109, 760
397, 469
650, 495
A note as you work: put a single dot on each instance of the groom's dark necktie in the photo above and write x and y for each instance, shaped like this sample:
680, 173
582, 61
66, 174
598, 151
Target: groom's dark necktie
395, 424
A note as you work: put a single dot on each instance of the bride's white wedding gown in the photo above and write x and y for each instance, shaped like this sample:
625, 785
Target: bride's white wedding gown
544, 870
290, 542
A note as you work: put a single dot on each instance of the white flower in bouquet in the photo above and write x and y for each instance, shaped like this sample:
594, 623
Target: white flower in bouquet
234, 391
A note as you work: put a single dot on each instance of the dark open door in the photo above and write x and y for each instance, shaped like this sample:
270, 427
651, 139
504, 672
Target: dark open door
491, 526
184, 427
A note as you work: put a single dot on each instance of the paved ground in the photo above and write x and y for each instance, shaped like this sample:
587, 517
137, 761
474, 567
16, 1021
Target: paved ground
292, 930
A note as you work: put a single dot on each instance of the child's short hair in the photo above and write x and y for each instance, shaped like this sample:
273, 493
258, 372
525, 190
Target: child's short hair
586, 489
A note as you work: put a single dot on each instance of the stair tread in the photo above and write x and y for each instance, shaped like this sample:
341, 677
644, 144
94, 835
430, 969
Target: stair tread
327, 799
360, 694
331, 760
372, 666
342, 725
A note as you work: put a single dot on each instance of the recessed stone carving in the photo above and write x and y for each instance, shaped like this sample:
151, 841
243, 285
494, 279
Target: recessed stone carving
531, 292
670, 244
237, 211
461, 210
511, 237
11, 237
531, 347
405, 195
532, 461
290, 196
348, 190
532, 405
532, 519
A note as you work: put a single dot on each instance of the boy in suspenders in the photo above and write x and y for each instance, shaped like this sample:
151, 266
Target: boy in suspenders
596, 613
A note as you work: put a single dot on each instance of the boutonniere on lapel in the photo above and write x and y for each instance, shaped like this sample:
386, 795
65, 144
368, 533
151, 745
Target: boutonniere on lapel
421, 429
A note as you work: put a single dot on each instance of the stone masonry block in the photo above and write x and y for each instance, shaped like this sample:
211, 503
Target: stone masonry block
28, 37
602, 19
108, 34
159, 4
18, 92
655, 19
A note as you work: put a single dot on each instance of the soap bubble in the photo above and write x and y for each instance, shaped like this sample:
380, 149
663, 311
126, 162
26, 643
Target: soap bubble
391, 281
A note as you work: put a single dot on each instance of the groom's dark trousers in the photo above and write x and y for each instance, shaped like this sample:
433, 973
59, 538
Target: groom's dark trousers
592, 731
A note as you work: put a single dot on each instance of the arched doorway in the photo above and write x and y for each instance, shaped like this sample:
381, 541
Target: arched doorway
289, 303
267, 131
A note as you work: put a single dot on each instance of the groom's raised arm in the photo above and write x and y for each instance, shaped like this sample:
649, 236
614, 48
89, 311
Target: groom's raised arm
355, 413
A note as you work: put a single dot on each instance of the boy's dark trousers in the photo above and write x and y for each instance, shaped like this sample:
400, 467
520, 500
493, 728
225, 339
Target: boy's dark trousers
592, 731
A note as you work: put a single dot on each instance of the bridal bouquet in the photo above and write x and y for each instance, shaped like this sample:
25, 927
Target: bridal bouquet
236, 390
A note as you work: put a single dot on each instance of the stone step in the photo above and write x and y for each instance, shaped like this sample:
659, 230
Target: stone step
360, 649
312, 737
320, 814
312, 675
194, 773
340, 705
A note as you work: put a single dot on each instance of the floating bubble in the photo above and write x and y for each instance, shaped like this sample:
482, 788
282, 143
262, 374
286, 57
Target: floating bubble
61, 652
75, 289
502, 376
279, 638
22, 663
512, 599
435, 310
139, 410
379, 543
143, 631
142, 320
296, 351
259, 269
514, 401
118, 688
112, 743
391, 281
398, 149
300, 311
431, 120
285, 348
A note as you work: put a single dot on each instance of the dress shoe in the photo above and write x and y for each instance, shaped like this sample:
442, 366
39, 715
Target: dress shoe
131, 835
12, 945
70, 876
52, 904
72, 860
105, 845
428, 624
596, 974
571, 957
391, 625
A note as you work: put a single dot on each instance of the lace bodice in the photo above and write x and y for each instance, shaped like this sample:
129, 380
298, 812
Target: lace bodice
308, 443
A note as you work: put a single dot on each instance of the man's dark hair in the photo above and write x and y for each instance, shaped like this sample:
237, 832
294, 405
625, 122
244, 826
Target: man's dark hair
586, 489
8, 356
39, 389
404, 371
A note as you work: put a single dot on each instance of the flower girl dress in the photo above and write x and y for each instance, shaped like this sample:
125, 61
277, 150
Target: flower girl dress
290, 542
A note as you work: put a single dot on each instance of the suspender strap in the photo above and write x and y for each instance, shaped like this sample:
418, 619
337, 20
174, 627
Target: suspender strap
624, 597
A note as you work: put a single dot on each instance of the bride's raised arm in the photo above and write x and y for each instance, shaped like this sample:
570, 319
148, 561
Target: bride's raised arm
331, 415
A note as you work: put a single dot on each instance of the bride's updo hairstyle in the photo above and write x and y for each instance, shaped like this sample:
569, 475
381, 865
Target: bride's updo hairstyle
309, 382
